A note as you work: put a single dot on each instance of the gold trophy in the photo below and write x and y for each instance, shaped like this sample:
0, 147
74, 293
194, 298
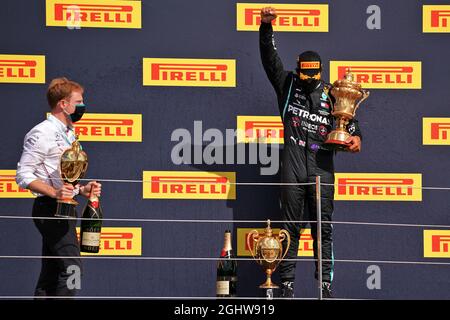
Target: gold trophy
347, 93
268, 251
73, 166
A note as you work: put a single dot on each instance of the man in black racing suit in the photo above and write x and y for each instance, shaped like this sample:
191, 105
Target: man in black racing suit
305, 106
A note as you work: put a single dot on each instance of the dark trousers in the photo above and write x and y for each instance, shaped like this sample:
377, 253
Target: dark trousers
294, 200
59, 238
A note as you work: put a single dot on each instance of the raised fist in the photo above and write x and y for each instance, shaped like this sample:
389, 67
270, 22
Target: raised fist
268, 14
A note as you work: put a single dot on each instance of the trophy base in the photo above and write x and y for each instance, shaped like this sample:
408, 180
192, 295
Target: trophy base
66, 209
269, 285
336, 145
336, 140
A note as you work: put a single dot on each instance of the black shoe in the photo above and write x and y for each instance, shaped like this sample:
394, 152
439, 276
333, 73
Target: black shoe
326, 290
287, 289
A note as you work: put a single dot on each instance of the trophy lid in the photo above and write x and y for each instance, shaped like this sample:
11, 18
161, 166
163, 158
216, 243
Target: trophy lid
349, 75
347, 81
268, 231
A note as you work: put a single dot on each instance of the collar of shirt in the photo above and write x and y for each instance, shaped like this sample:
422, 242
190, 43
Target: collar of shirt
58, 123
66, 130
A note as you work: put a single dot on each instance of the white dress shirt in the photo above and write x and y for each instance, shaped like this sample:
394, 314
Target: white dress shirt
42, 149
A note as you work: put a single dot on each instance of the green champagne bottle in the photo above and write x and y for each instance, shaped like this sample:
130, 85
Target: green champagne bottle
91, 229
226, 270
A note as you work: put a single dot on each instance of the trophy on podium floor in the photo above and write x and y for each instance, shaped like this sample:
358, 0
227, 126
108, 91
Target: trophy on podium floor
73, 166
347, 92
268, 251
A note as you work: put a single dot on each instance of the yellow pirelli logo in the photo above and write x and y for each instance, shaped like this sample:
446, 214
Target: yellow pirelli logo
189, 185
9, 187
290, 17
118, 242
378, 186
260, 129
22, 69
107, 127
436, 18
309, 65
436, 131
305, 247
189, 72
94, 14
380, 74
436, 243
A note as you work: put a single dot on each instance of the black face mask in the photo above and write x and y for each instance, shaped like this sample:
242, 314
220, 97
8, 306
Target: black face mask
78, 114
309, 85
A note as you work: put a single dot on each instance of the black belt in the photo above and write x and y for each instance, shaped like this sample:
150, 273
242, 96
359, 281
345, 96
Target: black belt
46, 199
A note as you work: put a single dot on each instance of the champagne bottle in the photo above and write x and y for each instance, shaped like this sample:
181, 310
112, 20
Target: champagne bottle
226, 270
91, 229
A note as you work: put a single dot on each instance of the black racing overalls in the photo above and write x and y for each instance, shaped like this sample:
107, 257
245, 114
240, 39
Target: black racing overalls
307, 120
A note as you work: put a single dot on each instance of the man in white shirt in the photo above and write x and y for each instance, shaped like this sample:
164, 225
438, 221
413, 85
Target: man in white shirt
39, 171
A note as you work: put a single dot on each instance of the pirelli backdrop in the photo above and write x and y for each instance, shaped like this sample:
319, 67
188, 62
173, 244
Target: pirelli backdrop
180, 109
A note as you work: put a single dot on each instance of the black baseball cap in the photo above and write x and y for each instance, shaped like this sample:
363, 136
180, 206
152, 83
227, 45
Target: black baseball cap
309, 63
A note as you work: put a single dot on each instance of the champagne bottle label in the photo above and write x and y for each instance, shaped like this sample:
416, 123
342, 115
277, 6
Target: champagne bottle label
223, 287
90, 239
